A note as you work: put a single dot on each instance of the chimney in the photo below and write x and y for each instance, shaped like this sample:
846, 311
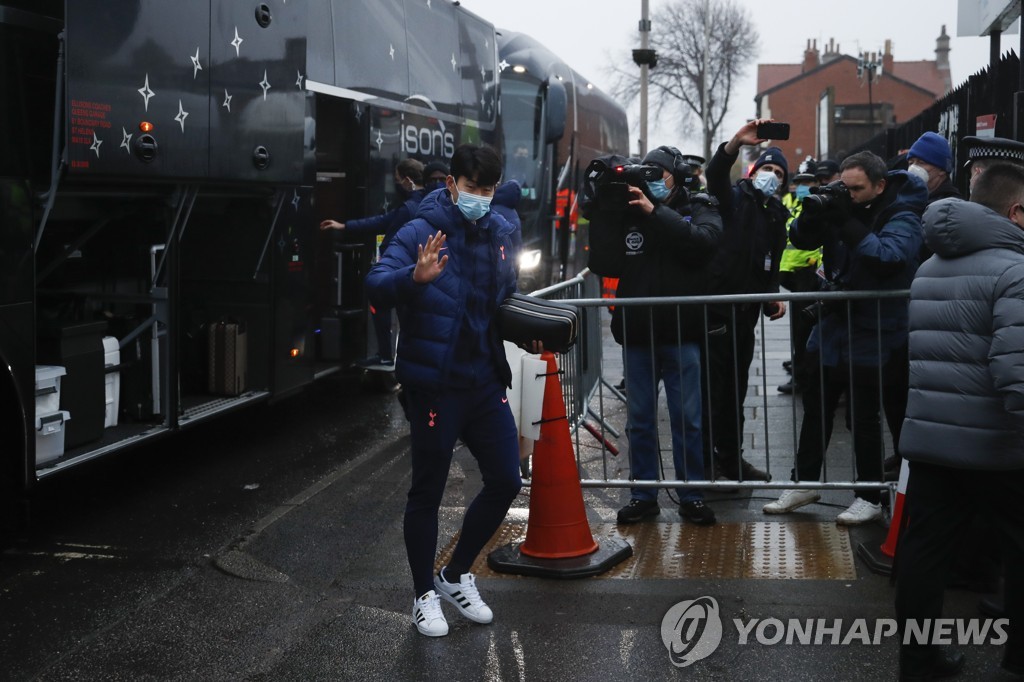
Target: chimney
887, 58
831, 51
811, 60
942, 58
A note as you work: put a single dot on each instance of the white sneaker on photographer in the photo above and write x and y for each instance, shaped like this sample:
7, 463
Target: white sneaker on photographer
428, 617
861, 511
791, 500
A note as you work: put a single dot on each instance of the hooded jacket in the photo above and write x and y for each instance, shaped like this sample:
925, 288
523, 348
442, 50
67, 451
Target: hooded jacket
666, 254
965, 408
432, 314
870, 249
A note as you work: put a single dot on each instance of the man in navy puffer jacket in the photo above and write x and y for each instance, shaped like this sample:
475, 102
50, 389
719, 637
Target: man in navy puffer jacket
964, 429
447, 272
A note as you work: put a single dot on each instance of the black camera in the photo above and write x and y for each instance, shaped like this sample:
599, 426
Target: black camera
833, 195
610, 183
822, 309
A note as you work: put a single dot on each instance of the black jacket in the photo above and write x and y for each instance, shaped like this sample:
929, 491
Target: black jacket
754, 235
666, 254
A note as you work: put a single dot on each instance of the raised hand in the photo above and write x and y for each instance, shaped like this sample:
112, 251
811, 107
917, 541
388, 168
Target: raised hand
428, 265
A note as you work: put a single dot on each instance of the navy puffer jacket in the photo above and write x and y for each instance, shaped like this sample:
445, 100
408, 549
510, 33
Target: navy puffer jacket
431, 315
965, 408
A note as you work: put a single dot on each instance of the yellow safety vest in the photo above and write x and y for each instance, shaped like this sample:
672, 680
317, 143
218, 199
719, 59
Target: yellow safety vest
794, 258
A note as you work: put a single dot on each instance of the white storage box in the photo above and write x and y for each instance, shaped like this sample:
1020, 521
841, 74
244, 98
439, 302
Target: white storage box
50, 436
112, 381
48, 388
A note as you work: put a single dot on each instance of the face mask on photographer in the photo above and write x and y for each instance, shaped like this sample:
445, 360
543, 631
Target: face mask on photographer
802, 191
766, 182
659, 190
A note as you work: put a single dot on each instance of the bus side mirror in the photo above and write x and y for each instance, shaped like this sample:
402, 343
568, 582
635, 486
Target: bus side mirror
555, 112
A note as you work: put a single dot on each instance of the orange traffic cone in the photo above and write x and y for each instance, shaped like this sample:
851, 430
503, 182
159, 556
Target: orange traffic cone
558, 540
879, 558
889, 546
558, 525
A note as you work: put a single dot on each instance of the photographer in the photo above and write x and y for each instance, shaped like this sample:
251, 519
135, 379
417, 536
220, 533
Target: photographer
665, 239
869, 227
753, 240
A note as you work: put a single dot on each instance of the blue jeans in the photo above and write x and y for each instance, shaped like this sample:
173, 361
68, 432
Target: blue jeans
678, 367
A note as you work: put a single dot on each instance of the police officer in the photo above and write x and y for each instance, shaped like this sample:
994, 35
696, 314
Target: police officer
798, 272
982, 152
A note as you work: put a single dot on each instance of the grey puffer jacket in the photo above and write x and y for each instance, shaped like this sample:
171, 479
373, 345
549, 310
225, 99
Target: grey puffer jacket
965, 409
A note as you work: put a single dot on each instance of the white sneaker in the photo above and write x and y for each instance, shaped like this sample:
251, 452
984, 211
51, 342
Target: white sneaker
465, 597
790, 500
861, 511
427, 614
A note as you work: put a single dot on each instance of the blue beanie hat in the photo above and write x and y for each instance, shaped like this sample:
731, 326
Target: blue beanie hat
773, 155
932, 148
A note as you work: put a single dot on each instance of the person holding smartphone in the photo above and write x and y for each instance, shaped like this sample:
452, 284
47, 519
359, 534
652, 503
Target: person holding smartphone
747, 263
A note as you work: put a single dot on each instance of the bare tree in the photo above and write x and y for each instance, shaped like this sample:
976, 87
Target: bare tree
703, 46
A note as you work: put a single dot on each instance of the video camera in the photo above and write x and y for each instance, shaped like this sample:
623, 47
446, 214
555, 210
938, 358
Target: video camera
833, 195
610, 183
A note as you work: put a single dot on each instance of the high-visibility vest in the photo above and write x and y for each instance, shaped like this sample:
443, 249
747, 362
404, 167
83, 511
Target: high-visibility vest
794, 258
609, 287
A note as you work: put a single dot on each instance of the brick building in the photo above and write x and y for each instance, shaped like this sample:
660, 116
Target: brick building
831, 103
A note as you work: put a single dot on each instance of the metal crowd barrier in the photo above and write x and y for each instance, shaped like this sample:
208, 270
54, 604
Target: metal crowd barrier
588, 391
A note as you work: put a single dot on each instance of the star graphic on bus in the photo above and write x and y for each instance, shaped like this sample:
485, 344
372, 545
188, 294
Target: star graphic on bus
182, 115
237, 42
391, 52
454, 63
227, 101
126, 140
295, 199
146, 93
196, 66
265, 84
298, 81
96, 142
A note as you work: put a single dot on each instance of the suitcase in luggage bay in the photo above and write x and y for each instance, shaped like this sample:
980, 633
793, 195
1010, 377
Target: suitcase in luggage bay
228, 358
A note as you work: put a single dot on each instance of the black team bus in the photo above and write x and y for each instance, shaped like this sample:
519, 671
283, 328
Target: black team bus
554, 122
163, 170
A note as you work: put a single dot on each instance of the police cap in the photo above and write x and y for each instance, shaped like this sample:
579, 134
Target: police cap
997, 148
694, 160
826, 169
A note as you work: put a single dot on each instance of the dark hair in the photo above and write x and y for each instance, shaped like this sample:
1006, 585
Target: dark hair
999, 187
412, 169
869, 162
478, 163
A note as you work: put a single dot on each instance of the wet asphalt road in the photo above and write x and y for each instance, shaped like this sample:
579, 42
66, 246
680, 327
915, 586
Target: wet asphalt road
267, 546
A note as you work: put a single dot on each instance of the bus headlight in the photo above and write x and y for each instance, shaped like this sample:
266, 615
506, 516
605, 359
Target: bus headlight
529, 260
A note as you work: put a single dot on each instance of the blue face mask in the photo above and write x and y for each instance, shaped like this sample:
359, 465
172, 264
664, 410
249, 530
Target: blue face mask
767, 182
802, 191
658, 188
473, 206
432, 185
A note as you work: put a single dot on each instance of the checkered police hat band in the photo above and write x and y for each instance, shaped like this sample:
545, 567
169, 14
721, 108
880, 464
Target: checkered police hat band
995, 153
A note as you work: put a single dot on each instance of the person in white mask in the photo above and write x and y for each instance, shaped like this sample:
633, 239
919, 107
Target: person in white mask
931, 160
747, 262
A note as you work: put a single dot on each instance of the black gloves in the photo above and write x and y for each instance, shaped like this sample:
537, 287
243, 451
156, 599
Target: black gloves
852, 231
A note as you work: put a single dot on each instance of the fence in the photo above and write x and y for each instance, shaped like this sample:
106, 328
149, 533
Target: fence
955, 115
587, 390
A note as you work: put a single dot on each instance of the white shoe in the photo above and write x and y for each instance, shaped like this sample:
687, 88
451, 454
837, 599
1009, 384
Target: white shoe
861, 511
790, 500
465, 596
428, 617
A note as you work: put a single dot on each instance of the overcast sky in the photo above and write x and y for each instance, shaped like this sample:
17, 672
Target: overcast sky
590, 35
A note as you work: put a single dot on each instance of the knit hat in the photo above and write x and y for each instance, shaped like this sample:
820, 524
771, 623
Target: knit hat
773, 155
932, 148
664, 156
433, 167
